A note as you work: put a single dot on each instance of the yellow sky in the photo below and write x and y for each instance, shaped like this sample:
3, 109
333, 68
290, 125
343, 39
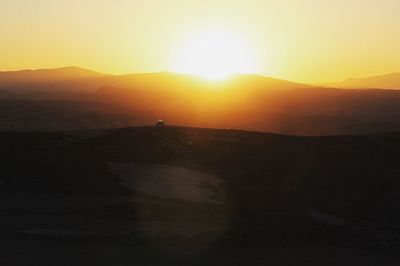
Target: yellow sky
300, 40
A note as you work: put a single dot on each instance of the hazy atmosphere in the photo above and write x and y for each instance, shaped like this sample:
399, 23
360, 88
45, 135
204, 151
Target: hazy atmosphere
300, 40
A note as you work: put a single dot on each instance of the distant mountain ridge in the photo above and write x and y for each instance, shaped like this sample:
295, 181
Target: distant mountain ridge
57, 79
387, 81
69, 78
55, 99
61, 73
84, 80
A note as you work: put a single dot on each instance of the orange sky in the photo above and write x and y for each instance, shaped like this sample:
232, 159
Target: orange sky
300, 40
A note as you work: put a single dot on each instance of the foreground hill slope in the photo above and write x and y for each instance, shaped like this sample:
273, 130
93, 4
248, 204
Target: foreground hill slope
352, 176
173, 196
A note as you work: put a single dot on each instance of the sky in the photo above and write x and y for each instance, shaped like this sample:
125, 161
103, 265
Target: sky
299, 40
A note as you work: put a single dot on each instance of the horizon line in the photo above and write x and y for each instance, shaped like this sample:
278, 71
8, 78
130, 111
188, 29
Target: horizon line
319, 83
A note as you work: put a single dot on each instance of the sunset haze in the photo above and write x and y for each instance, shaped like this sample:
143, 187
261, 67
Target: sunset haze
300, 40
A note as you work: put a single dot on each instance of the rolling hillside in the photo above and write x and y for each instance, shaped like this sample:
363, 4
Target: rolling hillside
247, 102
155, 195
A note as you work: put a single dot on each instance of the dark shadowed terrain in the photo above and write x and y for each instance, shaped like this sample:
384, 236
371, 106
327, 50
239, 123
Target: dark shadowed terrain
190, 196
86, 181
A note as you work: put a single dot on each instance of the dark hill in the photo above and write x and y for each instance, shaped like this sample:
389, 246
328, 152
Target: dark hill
167, 195
353, 177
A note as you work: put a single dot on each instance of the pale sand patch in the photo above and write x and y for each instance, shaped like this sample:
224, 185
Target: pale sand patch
167, 181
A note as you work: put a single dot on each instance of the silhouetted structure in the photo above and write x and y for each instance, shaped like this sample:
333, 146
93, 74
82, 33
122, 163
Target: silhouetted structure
160, 123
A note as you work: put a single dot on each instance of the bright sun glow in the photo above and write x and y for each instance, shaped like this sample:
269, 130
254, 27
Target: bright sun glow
214, 55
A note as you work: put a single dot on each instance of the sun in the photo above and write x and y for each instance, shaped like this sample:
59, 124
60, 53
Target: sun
214, 55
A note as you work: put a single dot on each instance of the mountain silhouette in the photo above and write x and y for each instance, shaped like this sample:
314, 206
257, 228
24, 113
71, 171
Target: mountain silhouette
79, 79
249, 102
58, 79
388, 81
